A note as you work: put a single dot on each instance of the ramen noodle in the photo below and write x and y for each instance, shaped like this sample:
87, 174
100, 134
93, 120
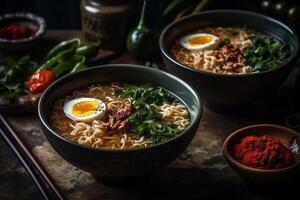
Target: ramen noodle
228, 50
119, 116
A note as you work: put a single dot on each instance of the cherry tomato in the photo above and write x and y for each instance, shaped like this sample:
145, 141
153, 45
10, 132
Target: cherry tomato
40, 80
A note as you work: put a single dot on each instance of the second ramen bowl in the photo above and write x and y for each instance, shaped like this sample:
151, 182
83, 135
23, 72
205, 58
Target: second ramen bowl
112, 164
225, 92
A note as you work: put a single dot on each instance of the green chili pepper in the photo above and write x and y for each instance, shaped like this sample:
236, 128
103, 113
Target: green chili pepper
141, 40
49, 64
202, 5
79, 65
173, 7
64, 45
88, 51
62, 67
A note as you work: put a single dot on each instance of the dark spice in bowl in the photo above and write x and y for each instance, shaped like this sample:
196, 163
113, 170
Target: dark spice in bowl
17, 31
20, 31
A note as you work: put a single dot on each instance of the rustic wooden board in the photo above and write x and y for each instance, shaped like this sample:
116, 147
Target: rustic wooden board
199, 173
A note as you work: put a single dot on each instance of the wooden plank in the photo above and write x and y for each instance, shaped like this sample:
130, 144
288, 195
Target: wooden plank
199, 173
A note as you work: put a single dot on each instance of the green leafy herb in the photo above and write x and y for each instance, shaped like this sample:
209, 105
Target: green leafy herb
14, 74
225, 42
146, 94
146, 121
157, 130
266, 53
234, 33
143, 113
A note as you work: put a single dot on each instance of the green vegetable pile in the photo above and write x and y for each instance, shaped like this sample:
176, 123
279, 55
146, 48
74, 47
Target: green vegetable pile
69, 56
66, 57
266, 53
146, 121
146, 94
14, 74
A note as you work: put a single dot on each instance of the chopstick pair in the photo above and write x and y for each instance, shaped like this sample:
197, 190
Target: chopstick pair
29, 161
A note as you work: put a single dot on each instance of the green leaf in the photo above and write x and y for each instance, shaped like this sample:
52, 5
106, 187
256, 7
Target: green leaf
225, 42
24, 60
10, 62
266, 53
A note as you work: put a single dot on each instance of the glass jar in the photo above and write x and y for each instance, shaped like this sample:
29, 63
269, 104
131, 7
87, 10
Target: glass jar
108, 20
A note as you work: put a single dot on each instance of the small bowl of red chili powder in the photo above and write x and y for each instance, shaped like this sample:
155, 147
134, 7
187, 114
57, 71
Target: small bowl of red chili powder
264, 153
20, 31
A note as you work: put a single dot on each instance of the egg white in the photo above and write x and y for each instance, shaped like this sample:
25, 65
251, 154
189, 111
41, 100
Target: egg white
99, 113
184, 41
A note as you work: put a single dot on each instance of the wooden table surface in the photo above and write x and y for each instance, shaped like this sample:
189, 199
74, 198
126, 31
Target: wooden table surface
199, 173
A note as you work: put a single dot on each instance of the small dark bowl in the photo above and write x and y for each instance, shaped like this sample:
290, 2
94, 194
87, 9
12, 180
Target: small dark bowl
226, 92
263, 176
116, 164
24, 18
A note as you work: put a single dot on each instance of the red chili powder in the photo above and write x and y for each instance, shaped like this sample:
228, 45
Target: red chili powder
263, 152
17, 31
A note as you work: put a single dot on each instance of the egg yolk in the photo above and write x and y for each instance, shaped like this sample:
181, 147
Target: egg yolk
200, 40
85, 108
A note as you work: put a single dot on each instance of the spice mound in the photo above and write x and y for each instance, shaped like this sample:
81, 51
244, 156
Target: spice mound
17, 31
263, 152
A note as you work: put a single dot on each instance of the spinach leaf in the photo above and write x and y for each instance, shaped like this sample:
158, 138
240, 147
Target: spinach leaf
234, 33
224, 42
146, 93
266, 53
146, 121
14, 74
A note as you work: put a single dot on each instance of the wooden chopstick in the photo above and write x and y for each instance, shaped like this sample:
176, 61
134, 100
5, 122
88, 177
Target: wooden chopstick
28, 168
29, 161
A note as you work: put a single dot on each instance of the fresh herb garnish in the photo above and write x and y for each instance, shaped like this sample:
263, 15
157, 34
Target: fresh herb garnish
266, 53
224, 42
157, 130
146, 93
146, 121
234, 33
14, 74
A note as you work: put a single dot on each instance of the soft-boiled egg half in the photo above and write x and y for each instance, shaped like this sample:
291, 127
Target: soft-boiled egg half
200, 41
85, 109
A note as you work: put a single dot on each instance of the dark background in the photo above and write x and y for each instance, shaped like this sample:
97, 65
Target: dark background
65, 14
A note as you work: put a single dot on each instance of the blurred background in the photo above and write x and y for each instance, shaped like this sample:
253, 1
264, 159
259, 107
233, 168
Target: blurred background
65, 14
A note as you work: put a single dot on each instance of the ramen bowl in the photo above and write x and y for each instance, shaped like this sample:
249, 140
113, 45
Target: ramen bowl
225, 92
119, 164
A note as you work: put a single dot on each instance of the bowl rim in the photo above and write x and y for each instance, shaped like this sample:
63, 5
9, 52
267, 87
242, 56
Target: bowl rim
41, 26
45, 123
227, 154
167, 54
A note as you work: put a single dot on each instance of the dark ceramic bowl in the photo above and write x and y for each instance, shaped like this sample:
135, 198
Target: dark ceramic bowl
22, 18
116, 164
227, 92
288, 138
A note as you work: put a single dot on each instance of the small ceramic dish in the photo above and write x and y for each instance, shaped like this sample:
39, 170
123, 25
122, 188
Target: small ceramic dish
288, 138
28, 19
